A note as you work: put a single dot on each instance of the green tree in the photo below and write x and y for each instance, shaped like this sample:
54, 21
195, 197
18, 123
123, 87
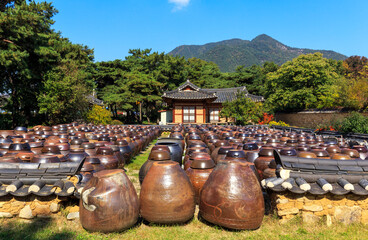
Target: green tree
308, 81
26, 55
64, 96
243, 110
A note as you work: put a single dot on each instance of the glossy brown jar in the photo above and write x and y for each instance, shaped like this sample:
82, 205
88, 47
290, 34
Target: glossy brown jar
306, 155
263, 160
86, 172
155, 156
96, 163
363, 151
109, 202
167, 196
107, 158
221, 153
45, 159
76, 155
190, 151
354, 154
320, 153
89, 148
218, 145
332, 149
198, 173
340, 156
288, 151
193, 156
232, 197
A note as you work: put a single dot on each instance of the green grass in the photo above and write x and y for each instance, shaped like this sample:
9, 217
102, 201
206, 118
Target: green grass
60, 228
138, 160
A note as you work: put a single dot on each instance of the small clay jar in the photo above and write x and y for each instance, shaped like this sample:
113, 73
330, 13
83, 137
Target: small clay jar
167, 196
332, 149
320, 153
340, 156
352, 153
221, 153
232, 197
155, 156
264, 158
288, 151
191, 151
193, 156
45, 159
363, 151
95, 162
218, 145
107, 158
109, 202
89, 148
86, 172
198, 173
76, 155
306, 154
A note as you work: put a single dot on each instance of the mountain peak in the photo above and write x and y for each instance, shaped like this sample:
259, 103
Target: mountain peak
228, 54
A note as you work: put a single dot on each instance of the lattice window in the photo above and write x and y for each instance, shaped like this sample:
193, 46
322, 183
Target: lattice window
188, 114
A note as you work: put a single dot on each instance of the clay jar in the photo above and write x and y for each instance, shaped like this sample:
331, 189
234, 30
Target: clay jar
167, 196
193, 156
96, 163
107, 158
109, 202
86, 172
155, 155
363, 151
221, 153
189, 152
218, 145
263, 160
232, 197
125, 150
76, 155
175, 150
198, 173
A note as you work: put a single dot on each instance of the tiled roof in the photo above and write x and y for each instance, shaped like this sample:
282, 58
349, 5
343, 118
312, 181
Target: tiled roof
319, 176
41, 179
218, 95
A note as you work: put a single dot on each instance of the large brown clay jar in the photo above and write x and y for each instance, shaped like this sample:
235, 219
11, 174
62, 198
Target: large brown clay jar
198, 173
109, 202
232, 197
107, 158
167, 196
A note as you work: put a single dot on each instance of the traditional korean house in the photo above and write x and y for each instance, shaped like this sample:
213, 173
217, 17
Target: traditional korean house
192, 104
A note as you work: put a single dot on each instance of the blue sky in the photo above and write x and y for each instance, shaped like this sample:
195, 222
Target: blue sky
112, 27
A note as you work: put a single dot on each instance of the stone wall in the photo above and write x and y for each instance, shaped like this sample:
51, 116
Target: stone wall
311, 119
330, 208
34, 206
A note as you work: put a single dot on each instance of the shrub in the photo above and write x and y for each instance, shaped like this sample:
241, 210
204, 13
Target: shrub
279, 123
99, 115
116, 122
354, 123
267, 118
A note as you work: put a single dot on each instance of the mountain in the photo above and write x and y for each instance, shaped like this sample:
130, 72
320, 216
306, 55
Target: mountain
231, 53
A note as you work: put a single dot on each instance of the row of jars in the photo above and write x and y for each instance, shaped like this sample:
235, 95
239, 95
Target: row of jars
102, 147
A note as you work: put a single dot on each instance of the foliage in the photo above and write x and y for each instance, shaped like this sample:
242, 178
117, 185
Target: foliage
99, 115
116, 122
354, 123
307, 81
278, 123
67, 86
243, 110
26, 55
266, 119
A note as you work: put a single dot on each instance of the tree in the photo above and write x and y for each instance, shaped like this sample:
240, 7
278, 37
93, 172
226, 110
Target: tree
243, 110
64, 96
25, 56
308, 81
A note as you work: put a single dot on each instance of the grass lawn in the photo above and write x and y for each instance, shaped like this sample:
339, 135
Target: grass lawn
58, 227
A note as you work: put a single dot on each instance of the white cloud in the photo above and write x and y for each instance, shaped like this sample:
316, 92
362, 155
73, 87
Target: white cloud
179, 4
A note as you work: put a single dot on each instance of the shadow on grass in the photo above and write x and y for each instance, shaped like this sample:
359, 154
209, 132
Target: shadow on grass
36, 229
